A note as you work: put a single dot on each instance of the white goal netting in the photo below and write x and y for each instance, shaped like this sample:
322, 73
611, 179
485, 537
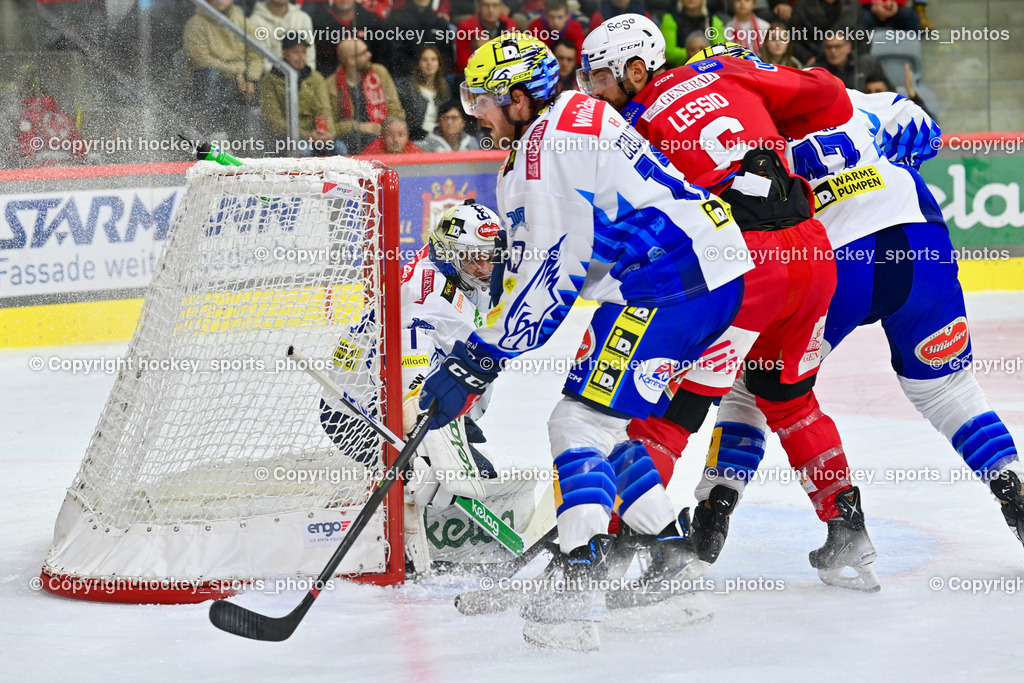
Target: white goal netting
215, 455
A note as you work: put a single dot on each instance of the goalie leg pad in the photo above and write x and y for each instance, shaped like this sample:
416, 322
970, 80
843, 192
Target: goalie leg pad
585, 494
642, 500
417, 550
812, 442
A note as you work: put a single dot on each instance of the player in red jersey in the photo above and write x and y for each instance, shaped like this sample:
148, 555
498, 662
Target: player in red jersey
724, 121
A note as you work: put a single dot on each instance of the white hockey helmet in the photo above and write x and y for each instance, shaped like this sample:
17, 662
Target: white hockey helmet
618, 40
462, 244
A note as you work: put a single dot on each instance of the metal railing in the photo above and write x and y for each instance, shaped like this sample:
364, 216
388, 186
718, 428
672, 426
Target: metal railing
125, 83
291, 76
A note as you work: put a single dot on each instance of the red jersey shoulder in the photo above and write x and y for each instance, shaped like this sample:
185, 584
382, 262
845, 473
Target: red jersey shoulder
581, 114
704, 73
731, 66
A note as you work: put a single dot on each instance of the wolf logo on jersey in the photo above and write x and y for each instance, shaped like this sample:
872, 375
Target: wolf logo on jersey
534, 306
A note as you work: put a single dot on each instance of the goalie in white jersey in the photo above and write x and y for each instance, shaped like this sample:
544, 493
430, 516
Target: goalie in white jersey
590, 209
444, 298
895, 264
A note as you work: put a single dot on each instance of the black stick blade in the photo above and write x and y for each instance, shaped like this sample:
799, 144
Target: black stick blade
229, 617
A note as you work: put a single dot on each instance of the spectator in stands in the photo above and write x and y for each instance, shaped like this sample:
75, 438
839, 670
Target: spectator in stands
921, 7
613, 8
744, 28
317, 127
223, 71
394, 139
486, 24
890, 14
417, 15
777, 48
382, 8
451, 134
363, 95
532, 9
279, 18
816, 20
339, 20
696, 42
882, 84
782, 10
852, 69
85, 21
46, 134
568, 58
423, 92
457, 11
555, 24
689, 16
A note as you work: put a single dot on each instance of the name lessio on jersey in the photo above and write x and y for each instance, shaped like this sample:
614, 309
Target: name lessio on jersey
674, 93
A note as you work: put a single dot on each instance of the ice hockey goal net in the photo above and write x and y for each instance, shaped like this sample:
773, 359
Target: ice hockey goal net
211, 467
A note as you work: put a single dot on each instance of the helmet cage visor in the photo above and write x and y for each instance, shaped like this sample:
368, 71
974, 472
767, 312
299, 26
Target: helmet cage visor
461, 257
598, 80
477, 102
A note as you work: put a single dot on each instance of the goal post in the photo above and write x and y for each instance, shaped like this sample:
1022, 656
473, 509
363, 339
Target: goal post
217, 463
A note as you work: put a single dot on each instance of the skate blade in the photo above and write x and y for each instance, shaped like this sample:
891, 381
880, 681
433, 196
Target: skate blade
492, 601
544, 612
687, 609
580, 636
654, 591
866, 579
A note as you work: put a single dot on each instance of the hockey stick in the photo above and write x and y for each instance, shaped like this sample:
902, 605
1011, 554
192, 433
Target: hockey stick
227, 616
492, 524
515, 564
501, 597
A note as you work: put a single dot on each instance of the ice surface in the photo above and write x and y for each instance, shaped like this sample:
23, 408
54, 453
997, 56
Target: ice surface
908, 631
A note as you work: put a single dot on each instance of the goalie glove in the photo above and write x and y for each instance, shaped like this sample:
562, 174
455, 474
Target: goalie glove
457, 384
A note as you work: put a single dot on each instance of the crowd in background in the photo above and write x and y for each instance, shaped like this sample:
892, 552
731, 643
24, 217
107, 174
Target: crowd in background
382, 76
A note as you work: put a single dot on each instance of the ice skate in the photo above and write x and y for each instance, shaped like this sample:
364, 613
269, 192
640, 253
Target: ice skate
847, 545
632, 609
1007, 490
711, 522
673, 569
510, 594
566, 615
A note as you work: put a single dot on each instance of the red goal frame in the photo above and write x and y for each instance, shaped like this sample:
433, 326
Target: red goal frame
388, 264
